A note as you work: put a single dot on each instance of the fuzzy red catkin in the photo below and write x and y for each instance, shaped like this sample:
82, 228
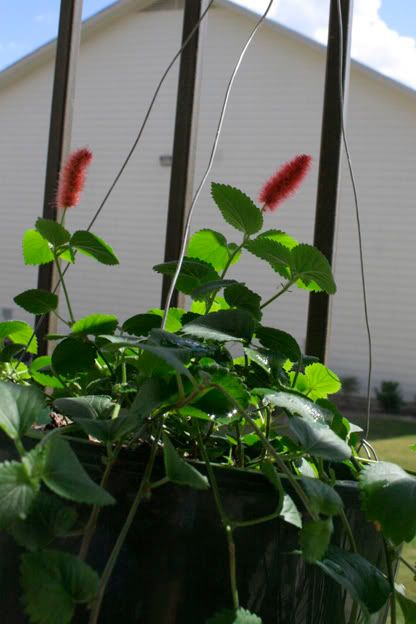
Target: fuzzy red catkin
72, 178
284, 182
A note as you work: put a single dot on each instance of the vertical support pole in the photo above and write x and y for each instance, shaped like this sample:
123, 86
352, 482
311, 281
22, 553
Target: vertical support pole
183, 158
67, 49
336, 79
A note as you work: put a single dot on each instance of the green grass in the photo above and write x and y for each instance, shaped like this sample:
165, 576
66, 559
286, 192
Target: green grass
392, 438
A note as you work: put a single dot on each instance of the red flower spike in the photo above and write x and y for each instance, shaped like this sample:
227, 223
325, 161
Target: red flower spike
284, 182
72, 178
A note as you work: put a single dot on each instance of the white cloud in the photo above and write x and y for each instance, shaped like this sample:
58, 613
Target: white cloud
374, 43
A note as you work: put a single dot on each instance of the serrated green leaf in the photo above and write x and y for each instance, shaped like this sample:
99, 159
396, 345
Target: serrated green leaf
108, 431
194, 273
174, 318
319, 440
276, 254
36, 249
20, 407
19, 332
323, 499
223, 326
36, 370
314, 539
91, 245
72, 356
141, 324
310, 265
95, 324
239, 296
240, 616
37, 301
179, 471
175, 357
237, 208
193, 412
95, 407
47, 519
318, 381
389, 497
296, 404
53, 232
280, 237
201, 292
211, 247
18, 488
65, 476
152, 393
279, 342
366, 584
53, 584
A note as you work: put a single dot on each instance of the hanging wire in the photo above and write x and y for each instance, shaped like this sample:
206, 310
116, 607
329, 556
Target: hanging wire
358, 221
125, 162
210, 162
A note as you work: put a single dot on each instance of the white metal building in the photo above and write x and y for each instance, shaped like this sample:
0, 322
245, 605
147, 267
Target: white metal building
274, 113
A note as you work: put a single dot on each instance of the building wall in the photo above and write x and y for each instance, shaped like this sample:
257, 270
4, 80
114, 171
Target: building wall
274, 113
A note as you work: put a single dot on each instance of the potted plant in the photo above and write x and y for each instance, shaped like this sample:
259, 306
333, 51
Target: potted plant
189, 468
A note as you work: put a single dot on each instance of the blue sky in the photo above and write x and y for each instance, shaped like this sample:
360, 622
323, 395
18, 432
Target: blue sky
384, 33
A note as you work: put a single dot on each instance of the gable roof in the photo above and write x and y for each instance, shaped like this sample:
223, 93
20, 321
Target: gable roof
119, 8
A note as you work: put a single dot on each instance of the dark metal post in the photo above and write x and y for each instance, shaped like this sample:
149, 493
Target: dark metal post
182, 160
329, 165
67, 48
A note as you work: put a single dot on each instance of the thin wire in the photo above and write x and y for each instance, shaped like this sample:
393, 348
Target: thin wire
211, 160
129, 155
358, 220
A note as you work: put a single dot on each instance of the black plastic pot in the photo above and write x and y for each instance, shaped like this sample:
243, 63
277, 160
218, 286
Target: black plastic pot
173, 568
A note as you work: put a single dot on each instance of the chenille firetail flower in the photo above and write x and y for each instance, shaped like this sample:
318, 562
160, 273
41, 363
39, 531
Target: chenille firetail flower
72, 178
284, 182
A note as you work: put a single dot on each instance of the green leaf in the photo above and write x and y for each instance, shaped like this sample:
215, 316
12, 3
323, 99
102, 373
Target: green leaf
389, 497
280, 237
174, 319
296, 404
223, 326
53, 584
211, 247
407, 606
36, 249
175, 357
93, 246
48, 518
179, 471
201, 292
53, 232
152, 393
239, 296
108, 431
65, 476
72, 356
276, 254
95, 324
20, 407
310, 265
323, 499
290, 512
237, 208
141, 324
193, 412
37, 301
240, 616
18, 488
318, 381
279, 342
194, 273
314, 539
319, 440
366, 584
37, 371
96, 407
19, 332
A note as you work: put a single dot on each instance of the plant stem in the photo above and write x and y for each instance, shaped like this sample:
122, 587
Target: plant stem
390, 576
20, 448
95, 612
348, 531
278, 294
227, 266
61, 278
408, 565
93, 519
224, 519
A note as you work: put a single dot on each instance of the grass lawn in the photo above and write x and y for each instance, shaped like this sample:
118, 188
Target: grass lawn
392, 437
